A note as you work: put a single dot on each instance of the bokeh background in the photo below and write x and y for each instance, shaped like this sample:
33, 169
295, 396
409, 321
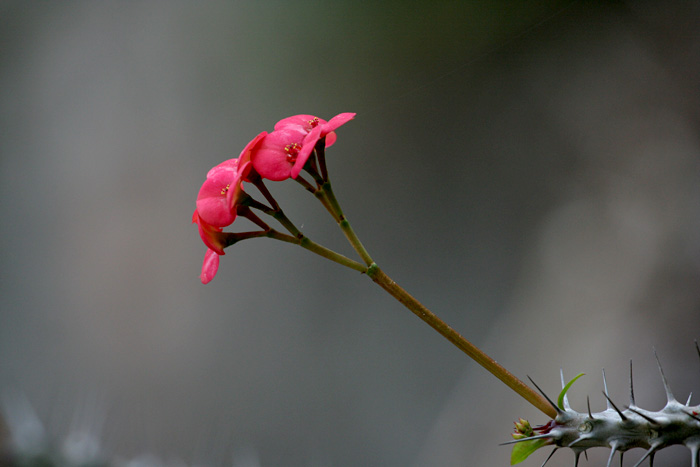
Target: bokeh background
529, 170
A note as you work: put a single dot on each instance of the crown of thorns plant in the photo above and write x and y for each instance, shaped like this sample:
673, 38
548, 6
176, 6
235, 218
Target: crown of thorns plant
295, 150
620, 430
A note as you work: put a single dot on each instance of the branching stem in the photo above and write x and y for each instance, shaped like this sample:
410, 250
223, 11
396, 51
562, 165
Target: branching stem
325, 193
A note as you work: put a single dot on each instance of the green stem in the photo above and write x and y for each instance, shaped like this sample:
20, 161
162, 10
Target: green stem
321, 156
287, 224
275, 213
314, 247
303, 182
476, 354
332, 255
260, 185
296, 236
325, 193
321, 195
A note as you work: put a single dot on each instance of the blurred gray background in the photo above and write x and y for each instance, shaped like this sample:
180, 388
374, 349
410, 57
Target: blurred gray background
529, 170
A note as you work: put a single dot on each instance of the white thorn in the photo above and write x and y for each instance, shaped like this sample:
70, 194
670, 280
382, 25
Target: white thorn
578, 440
694, 447
632, 403
646, 454
576, 454
669, 394
566, 398
521, 440
549, 456
612, 453
605, 386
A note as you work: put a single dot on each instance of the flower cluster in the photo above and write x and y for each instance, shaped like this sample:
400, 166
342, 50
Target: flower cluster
276, 156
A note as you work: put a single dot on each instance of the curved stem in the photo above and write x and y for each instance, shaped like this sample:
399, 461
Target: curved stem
327, 197
476, 354
321, 156
332, 255
325, 194
296, 236
314, 247
321, 195
260, 185
303, 182
275, 213
289, 225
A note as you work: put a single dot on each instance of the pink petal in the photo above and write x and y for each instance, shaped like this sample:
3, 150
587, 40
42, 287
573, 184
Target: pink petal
303, 121
244, 168
270, 158
333, 124
214, 201
306, 150
210, 235
330, 139
233, 195
213, 205
210, 266
223, 172
338, 121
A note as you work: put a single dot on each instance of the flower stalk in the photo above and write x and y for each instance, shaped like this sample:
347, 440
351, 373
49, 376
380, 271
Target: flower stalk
475, 353
298, 143
334, 208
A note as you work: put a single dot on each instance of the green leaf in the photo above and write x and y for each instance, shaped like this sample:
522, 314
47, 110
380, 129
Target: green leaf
522, 450
560, 399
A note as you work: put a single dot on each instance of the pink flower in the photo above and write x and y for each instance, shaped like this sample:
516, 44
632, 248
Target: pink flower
275, 156
210, 266
214, 239
216, 205
221, 191
284, 152
211, 235
309, 122
223, 188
